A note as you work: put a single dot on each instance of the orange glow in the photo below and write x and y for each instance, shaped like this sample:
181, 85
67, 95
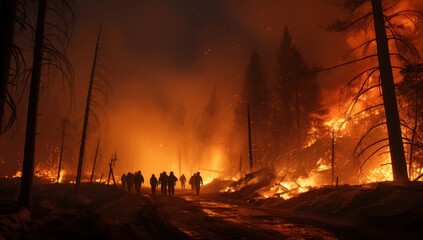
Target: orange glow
17, 174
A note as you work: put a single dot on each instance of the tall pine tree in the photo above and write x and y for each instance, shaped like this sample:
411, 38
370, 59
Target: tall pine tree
298, 107
255, 94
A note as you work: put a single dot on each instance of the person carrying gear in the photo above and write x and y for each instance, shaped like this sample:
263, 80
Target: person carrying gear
191, 181
153, 183
171, 182
129, 181
123, 181
197, 181
183, 179
138, 180
163, 183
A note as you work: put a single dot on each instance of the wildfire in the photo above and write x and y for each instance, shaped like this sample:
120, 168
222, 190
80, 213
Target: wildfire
18, 174
382, 173
44, 175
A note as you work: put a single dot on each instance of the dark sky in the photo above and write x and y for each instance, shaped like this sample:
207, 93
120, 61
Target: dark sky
166, 53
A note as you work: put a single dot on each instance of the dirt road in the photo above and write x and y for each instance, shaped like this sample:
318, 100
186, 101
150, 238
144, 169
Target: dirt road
186, 216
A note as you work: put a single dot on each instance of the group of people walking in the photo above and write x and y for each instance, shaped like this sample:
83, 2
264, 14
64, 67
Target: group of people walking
166, 182
130, 179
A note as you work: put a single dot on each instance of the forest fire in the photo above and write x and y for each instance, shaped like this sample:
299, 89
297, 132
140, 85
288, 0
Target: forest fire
45, 175
244, 115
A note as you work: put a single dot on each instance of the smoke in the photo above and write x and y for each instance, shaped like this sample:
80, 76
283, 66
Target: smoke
169, 53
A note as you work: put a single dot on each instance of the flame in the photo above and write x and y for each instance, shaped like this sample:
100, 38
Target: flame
227, 189
48, 175
18, 174
292, 188
45, 174
382, 173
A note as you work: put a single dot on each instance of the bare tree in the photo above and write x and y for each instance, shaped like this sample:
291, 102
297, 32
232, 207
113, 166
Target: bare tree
25, 194
98, 84
47, 56
64, 150
95, 159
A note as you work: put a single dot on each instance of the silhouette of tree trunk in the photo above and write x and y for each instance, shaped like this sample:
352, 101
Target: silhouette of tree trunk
86, 117
95, 159
25, 194
61, 151
250, 144
8, 9
399, 166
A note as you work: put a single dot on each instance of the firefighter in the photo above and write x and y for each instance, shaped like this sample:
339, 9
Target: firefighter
123, 180
153, 183
183, 179
163, 183
191, 181
171, 182
138, 180
129, 180
197, 181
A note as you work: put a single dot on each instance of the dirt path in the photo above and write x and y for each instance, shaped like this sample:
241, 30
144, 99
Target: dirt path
186, 216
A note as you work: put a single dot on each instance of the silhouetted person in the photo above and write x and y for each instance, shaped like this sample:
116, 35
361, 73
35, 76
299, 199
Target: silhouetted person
138, 180
197, 181
129, 181
191, 181
171, 182
123, 181
153, 183
163, 183
183, 179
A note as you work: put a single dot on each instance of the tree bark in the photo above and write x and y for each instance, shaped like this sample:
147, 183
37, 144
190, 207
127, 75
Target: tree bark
61, 151
86, 118
399, 166
25, 194
95, 159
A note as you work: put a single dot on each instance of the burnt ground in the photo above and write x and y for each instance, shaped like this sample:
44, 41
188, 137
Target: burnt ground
104, 212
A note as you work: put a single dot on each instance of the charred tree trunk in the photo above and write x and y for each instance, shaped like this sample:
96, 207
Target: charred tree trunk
250, 144
413, 139
399, 166
61, 151
332, 177
86, 118
95, 159
25, 194
8, 9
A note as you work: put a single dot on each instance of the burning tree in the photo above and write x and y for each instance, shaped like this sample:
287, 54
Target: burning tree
411, 95
382, 26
